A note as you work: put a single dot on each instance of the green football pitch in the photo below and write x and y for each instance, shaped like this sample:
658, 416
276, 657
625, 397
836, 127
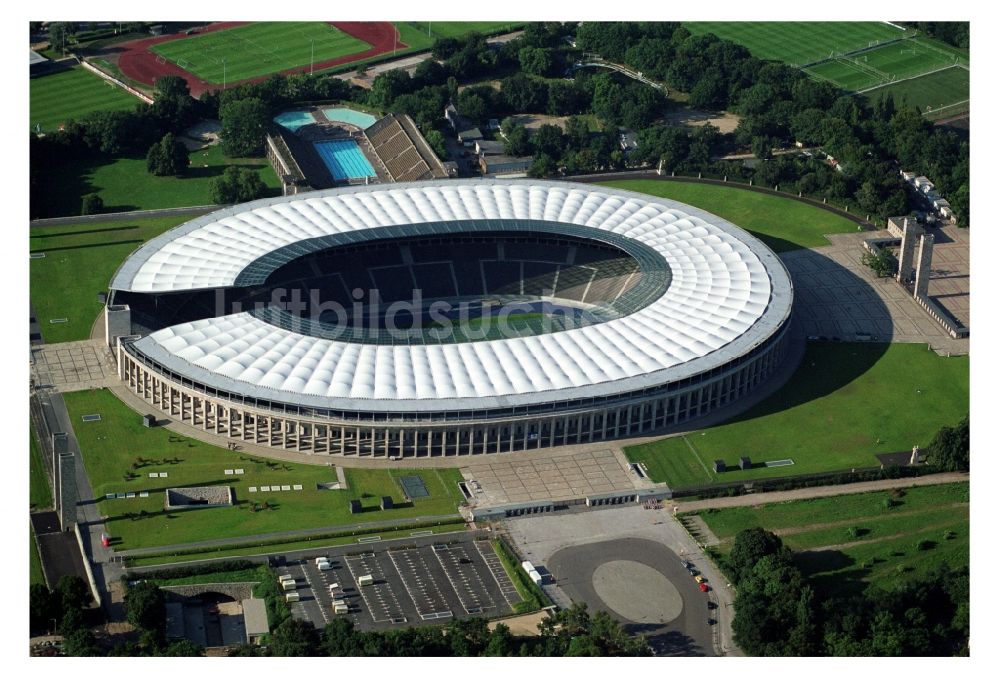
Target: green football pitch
885, 64
258, 49
799, 42
71, 94
938, 95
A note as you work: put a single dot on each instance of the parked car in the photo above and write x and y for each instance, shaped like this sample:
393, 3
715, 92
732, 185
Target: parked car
699, 579
703, 587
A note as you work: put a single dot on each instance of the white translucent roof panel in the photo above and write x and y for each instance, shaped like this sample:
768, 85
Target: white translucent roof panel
728, 293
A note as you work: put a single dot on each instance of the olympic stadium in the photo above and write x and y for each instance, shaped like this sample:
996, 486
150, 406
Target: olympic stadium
448, 318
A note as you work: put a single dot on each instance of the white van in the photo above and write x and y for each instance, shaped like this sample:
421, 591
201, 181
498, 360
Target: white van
334, 588
286, 576
340, 609
321, 560
287, 585
291, 596
324, 565
365, 580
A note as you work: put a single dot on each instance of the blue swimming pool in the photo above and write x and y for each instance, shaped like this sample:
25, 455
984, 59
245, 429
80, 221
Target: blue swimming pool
344, 159
358, 119
294, 119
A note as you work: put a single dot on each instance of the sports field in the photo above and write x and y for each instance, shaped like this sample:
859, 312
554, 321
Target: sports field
258, 49
937, 95
799, 42
78, 264
872, 536
125, 185
118, 446
70, 94
885, 64
839, 409
783, 224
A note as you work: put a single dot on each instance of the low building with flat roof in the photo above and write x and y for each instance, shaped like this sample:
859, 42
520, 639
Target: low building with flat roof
255, 619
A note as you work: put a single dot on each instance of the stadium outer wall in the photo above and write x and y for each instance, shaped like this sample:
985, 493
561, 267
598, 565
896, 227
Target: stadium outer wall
449, 434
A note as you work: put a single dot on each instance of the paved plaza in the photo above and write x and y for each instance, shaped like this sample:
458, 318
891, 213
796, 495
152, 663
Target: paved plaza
949, 282
549, 477
68, 367
837, 297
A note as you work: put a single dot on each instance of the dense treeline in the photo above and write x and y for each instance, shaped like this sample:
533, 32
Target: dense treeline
571, 632
779, 105
778, 613
955, 33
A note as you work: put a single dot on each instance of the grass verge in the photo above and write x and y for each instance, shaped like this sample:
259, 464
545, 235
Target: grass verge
839, 409
781, 223
533, 597
39, 489
78, 264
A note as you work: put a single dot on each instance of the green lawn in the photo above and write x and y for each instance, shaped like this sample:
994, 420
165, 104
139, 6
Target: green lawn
112, 446
781, 223
78, 264
125, 185
838, 410
798, 42
258, 550
259, 48
885, 547
73, 93
39, 491
35, 574
939, 94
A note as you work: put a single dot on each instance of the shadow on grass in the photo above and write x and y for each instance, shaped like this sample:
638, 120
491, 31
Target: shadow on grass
84, 232
88, 246
829, 570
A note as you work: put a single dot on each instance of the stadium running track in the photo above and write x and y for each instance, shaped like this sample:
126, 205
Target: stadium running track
138, 63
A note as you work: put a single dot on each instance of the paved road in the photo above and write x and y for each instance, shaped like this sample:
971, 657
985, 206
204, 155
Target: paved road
126, 215
539, 538
818, 492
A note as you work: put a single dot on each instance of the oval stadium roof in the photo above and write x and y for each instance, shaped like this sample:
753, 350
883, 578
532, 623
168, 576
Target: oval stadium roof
727, 294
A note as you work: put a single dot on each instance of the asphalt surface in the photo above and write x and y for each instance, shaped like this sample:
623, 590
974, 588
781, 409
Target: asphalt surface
688, 635
439, 578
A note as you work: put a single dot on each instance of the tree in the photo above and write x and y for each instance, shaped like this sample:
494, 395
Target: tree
294, 638
435, 140
182, 648
523, 94
91, 204
880, 261
949, 449
244, 124
169, 157
501, 643
237, 184
548, 140
750, 546
44, 606
80, 643
73, 591
387, 86
171, 86
144, 607
535, 60
517, 142
59, 35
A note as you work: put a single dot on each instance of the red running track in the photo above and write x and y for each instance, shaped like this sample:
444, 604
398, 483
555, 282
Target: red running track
138, 63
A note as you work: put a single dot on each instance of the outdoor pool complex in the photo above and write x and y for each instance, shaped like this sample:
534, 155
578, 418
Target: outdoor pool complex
358, 119
343, 159
294, 119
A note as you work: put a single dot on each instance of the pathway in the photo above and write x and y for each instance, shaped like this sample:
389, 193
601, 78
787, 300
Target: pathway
754, 499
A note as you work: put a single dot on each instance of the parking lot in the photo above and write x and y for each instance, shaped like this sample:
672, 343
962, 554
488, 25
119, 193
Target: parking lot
429, 583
